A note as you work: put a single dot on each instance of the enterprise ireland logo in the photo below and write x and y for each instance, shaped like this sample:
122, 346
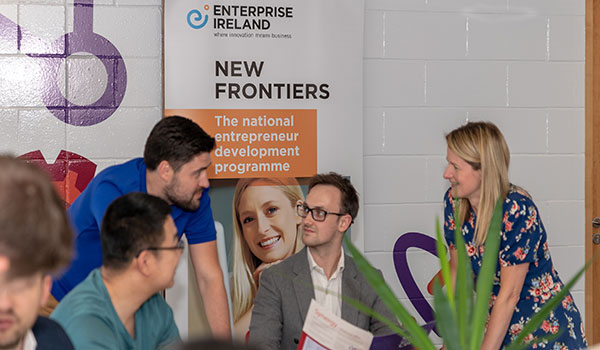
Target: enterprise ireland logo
195, 18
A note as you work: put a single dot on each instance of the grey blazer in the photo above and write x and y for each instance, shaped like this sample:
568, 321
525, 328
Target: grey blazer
284, 296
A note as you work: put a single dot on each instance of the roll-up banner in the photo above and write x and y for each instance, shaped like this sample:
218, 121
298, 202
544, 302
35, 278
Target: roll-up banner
279, 86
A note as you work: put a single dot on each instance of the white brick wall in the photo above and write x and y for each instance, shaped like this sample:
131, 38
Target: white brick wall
431, 65
134, 27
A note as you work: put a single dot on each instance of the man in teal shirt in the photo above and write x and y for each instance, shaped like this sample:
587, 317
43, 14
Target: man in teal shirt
118, 306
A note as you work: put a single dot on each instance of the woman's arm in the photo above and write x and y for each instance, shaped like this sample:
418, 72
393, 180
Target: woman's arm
511, 283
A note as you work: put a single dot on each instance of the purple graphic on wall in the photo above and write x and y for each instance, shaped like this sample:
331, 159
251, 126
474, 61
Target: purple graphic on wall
53, 55
421, 241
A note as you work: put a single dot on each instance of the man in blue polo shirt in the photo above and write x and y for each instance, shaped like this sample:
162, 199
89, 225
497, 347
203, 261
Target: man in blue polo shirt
176, 158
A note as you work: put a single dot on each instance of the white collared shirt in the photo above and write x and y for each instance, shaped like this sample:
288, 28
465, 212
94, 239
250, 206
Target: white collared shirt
29, 343
328, 292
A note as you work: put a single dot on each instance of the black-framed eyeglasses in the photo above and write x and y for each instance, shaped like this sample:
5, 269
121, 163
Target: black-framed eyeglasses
180, 245
317, 214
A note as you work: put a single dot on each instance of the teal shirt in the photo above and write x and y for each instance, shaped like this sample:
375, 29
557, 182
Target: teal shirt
90, 320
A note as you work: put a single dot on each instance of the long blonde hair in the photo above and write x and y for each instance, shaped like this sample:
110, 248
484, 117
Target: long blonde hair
482, 145
244, 262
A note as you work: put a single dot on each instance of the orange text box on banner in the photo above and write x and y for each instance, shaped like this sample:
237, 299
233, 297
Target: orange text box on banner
259, 142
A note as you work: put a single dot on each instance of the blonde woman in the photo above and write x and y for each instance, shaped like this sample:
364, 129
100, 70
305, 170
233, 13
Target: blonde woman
266, 231
478, 160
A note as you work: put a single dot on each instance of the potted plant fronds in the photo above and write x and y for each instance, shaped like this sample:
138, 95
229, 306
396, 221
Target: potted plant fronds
460, 314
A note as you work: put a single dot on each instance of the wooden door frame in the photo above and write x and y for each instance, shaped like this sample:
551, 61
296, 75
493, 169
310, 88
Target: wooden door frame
592, 164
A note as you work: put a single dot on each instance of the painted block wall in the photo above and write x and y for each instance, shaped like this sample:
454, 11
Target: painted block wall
27, 125
432, 65
429, 66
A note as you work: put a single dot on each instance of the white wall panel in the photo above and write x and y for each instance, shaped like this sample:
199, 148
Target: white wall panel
564, 232
567, 38
541, 7
524, 129
546, 84
9, 135
147, 73
394, 83
507, 36
395, 180
38, 127
566, 130
374, 120
413, 131
462, 83
425, 35
122, 136
34, 19
385, 223
549, 177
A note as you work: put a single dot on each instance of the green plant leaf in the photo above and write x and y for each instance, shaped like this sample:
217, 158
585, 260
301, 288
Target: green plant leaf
464, 281
414, 333
367, 310
464, 289
445, 321
485, 279
551, 304
444, 264
547, 339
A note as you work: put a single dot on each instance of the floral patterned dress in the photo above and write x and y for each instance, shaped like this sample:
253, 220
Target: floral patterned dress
523, 240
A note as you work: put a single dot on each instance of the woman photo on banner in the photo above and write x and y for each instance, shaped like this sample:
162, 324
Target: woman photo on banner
478, 160
266, 231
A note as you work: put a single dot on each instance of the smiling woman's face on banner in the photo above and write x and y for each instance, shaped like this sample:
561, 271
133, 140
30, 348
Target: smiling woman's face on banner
269, 222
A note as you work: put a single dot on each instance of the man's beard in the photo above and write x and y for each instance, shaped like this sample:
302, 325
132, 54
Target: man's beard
12, 337
185, 203
12, 343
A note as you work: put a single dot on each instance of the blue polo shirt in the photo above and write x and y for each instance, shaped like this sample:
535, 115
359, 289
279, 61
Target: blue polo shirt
89, 318
88, 209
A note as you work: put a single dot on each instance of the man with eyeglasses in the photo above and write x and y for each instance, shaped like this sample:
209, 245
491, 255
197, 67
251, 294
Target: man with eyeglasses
320, 271
119, 306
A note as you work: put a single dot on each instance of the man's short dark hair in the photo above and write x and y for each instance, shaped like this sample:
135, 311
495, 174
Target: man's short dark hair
177, 140
132, 222
34, 229
349, 198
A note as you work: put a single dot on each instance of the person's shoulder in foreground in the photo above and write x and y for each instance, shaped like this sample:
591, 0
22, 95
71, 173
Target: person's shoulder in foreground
89, 317
35, 242
50, 335
117, 305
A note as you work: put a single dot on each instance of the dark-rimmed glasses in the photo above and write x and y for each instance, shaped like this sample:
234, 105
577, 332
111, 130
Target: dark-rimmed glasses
180, 245
317, 214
